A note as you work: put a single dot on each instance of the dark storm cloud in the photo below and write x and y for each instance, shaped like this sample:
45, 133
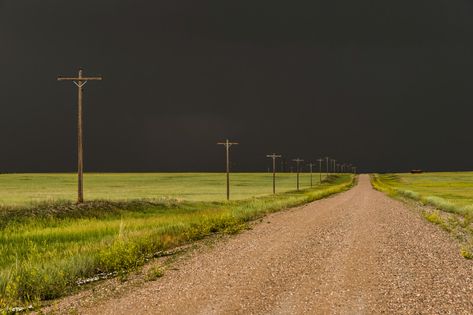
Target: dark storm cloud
385, 85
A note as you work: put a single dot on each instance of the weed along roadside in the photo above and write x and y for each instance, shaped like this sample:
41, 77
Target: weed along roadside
445, 198
45, 254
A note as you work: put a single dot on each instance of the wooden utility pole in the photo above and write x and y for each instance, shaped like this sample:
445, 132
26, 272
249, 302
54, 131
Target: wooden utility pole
227, 145
333, 165
274, 156
320, 170
326, 161
310, 168
80, 81
298, 160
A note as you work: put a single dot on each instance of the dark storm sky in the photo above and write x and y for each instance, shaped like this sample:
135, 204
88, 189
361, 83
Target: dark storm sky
387, 85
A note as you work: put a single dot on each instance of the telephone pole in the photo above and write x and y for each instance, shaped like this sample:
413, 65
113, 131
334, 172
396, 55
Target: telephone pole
227, 145
333, 165
310, 167
349, 168
80, 81
298, 160
274, 156
326, 161
320, 170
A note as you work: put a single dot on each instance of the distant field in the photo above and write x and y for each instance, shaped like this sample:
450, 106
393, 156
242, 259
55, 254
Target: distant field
455, 188
24, 189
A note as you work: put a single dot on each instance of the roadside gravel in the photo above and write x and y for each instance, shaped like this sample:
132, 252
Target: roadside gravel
358, 252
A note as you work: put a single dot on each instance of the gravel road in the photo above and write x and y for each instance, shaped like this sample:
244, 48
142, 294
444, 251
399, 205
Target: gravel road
358, 252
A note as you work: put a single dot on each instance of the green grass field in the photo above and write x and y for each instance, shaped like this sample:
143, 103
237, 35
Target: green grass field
46, 248
25, 189
450, 191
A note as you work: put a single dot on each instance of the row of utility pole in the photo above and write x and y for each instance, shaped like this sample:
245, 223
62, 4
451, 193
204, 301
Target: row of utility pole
80, 81
336, 168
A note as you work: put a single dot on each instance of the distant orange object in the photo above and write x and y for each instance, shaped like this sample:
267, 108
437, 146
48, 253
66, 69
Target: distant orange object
417, 171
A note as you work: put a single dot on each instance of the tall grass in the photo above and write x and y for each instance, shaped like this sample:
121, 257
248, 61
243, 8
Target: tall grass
45, 250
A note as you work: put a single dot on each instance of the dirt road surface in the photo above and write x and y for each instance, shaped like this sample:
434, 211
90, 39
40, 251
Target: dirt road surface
358, 252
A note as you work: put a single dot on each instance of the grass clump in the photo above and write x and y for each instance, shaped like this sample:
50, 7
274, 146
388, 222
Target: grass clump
154, 273
433, 217
44, 253
466, 253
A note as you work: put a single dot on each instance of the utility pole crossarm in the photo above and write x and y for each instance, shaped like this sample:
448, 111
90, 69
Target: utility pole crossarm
229, 144
61, 78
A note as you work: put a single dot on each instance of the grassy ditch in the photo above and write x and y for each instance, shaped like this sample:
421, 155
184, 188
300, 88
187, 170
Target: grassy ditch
45, 250
447, 197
